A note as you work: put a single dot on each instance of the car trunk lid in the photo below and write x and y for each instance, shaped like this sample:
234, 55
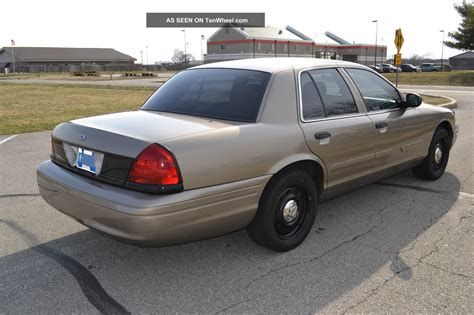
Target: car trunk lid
117, 139
128, 133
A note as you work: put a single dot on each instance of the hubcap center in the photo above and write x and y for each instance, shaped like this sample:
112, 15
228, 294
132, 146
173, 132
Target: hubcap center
438, 155
290, 211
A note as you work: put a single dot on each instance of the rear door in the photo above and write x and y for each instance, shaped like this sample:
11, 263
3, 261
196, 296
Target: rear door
335, 127
398, 135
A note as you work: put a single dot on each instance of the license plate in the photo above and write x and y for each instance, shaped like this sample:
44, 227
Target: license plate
86, 160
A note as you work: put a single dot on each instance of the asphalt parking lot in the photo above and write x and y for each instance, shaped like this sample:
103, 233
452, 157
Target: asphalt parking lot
402, 245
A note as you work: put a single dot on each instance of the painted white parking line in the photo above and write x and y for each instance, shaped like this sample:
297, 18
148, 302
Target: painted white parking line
7, 139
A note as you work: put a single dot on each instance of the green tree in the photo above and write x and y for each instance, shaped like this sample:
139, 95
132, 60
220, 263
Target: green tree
463, 38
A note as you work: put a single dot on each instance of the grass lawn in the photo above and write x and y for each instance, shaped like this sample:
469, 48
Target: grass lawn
34, 107
462, 78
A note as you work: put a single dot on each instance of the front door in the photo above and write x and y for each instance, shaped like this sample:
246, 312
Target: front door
399, 134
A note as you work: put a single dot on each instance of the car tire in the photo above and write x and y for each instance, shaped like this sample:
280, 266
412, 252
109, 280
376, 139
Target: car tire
286, 211
435, 162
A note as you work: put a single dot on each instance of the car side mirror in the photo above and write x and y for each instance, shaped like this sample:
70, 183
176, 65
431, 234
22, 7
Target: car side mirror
412, 100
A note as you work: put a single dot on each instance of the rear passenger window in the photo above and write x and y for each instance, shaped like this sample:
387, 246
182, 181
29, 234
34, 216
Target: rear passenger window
335, 94
312, 106
378, 94
228, 94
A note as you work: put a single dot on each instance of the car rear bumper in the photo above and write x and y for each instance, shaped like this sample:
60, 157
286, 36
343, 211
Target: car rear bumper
149, 218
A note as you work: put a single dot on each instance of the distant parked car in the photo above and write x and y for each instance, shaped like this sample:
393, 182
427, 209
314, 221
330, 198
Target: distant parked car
438, 67
428, 67
409, 68
388, 68
376, 68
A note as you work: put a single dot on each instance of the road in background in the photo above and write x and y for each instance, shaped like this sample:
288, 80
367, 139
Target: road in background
403, 245
462, 94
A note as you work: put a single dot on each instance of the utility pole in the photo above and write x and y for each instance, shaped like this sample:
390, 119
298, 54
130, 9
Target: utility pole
442, 49
141, 54
376, 35
185, 57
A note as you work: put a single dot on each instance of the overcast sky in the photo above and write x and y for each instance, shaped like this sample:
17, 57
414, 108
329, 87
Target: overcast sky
121, 24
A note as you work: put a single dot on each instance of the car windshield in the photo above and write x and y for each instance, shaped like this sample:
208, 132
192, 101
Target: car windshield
228, 94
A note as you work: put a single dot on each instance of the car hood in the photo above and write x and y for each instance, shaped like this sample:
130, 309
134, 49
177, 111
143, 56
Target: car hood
128, 133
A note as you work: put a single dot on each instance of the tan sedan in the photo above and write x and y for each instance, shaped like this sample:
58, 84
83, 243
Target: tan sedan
250, 144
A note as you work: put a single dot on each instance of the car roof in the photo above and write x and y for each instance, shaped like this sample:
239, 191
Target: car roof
275, 64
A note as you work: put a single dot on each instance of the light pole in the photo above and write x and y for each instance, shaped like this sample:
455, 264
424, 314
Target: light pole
147, 55
376, 35
442, 49
13, 56
141, 54
202, 55
185, 57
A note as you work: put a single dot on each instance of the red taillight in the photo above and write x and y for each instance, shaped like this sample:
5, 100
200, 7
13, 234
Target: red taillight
154, 166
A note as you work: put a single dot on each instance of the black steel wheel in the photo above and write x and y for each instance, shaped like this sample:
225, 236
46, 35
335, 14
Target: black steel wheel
291, 210
434, 165
286, 211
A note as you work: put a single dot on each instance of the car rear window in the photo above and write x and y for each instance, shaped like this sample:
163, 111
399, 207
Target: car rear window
228, 94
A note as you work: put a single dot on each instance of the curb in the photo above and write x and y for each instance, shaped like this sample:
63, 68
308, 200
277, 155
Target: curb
451, 104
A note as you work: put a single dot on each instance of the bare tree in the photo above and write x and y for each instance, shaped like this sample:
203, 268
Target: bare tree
415, 59
178, 57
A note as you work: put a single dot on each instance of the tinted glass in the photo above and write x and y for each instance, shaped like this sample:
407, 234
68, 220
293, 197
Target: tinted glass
228, 94
378, 94
312, 106
336, 96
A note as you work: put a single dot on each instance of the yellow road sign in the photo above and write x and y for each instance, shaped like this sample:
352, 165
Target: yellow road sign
398, 59
398, 39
